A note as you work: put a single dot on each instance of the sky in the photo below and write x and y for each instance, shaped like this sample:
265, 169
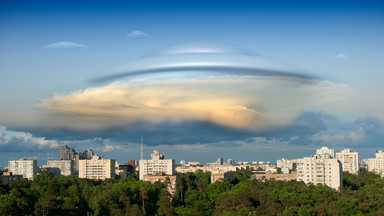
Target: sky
246, 80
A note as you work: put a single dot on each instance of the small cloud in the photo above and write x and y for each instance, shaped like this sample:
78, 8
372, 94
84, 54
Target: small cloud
340, 56
64, 44
137, 33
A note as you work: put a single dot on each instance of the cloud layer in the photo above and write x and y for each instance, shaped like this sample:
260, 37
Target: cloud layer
64, 44
247, 102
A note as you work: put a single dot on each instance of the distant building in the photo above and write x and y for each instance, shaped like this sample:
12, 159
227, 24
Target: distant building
96, 168
66, 167
26, 168
326, 150
67, 153
320, 169
8, 178
220, 161
377, 164
350, 160
273, 176
290, 164
219, 176
168, 180
230, 161
157, 165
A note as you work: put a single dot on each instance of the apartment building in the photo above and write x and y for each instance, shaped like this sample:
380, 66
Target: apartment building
377, 164
349, 160
320, 169
24, 167
97, 168
66, 167
157, 165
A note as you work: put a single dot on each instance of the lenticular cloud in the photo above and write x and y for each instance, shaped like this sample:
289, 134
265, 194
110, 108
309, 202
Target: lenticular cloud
218, 84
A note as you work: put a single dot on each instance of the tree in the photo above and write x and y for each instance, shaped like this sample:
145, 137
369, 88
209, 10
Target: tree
164, 204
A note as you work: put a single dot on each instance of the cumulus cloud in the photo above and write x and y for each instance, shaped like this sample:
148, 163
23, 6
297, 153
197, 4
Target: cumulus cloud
14, 141
340, 56
248, 102
64, 44
137, 33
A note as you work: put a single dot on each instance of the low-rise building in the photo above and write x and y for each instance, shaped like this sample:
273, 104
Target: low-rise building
8, 178
168, 180
219, 176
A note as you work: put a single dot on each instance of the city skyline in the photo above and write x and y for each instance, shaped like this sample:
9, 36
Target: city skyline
51, 51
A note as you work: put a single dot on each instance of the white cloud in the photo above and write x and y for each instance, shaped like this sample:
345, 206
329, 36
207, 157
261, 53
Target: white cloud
19, 140
137, 33
248, 102
340, 56
64, 44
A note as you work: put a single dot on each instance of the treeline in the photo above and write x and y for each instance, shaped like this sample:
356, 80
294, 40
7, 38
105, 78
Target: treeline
362, 194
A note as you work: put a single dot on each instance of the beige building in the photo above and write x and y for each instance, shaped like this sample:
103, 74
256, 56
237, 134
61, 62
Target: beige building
349, 159
66, 167
290, 164
320, 169
157, 165
97, 168
27, 168
219, 176
377, 164
168, 180
274, 176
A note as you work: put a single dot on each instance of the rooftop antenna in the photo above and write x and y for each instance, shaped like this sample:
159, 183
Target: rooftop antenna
141, 147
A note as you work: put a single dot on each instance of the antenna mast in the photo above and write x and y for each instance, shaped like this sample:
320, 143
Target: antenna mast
141, 148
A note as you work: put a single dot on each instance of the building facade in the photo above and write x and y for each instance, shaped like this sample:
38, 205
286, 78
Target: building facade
168, 180
320, 169
349, 160
8, 178
24, 167
97, 168
290, 164
66, 167
377, 164
157, 165
219, 176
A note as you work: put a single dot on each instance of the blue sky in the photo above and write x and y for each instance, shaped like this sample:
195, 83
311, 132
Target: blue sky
51, 48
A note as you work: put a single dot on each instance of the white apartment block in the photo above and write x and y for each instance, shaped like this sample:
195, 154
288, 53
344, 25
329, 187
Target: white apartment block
320, 169
157, 165
97, 168
290, 164
349, 159
66, 167
27, 168
377, 164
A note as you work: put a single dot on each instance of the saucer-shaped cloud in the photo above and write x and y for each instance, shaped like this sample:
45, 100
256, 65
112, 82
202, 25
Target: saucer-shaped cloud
340, 56
205, 58
64, 44
212, 83
137, 33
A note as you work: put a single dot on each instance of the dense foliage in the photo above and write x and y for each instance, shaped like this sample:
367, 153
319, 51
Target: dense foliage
362, 194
